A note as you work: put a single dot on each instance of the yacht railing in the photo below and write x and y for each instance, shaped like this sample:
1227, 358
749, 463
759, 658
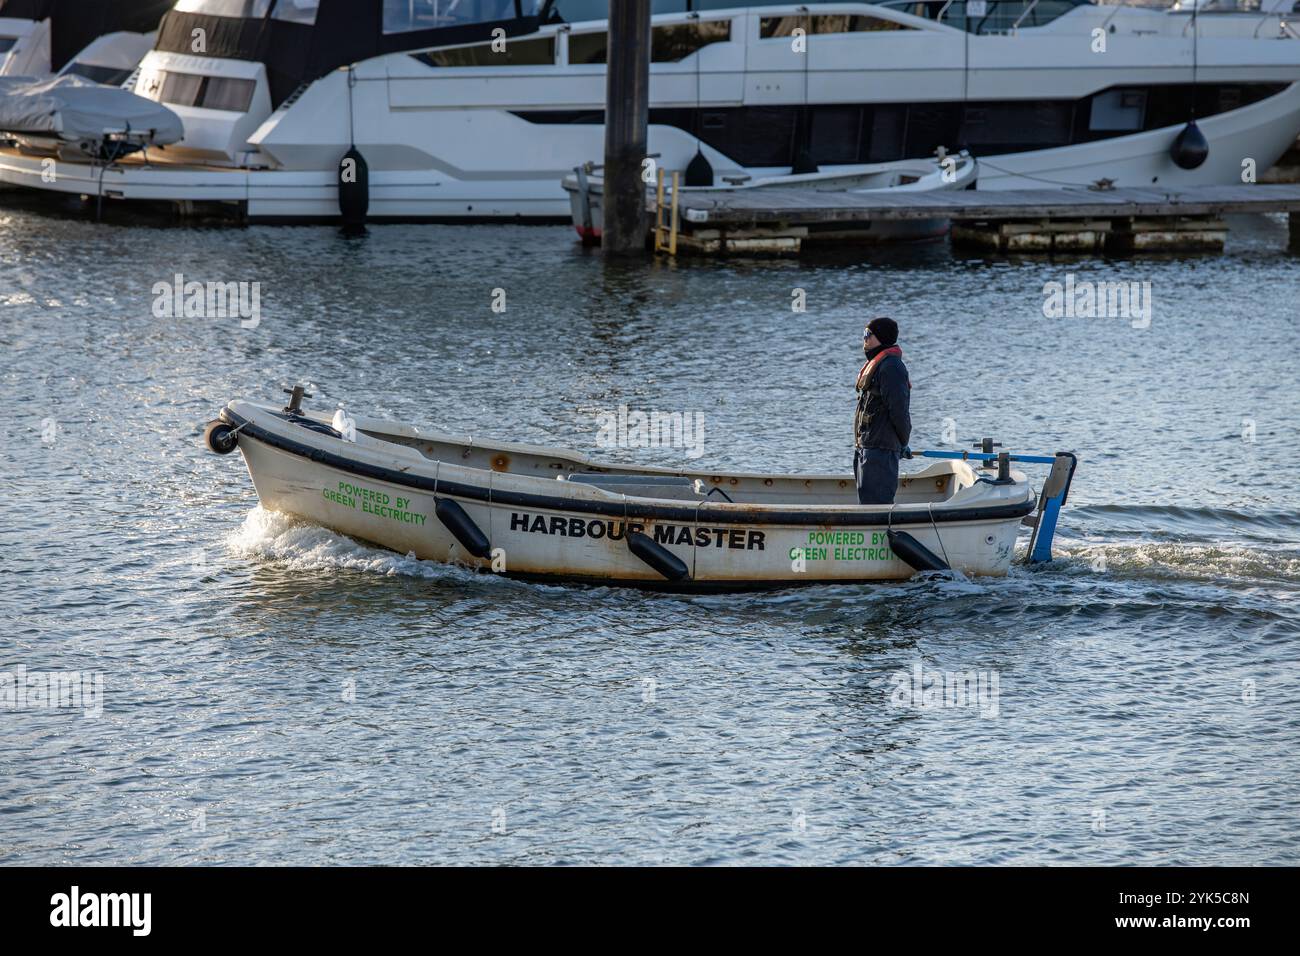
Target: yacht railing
1279, 19
1001, 15
1028, 10
998, 16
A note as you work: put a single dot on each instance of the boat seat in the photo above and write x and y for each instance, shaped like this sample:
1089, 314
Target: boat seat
642, 486
595, 478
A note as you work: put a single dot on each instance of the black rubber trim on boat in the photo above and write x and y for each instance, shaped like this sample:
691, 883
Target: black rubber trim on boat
694, 514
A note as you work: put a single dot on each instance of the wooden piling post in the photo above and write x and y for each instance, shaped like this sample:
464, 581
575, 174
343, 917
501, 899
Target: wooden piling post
627, 111
672, 242
659, 210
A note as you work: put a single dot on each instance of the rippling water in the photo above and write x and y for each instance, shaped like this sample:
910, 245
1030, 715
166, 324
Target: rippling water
275, 693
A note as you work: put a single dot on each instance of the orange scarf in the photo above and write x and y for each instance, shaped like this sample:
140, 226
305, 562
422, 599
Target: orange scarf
865, 373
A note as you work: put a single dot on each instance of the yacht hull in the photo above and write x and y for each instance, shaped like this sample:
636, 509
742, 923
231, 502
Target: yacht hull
1261, 132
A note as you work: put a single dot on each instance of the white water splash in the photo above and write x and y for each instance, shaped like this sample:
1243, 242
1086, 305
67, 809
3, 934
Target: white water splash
303, 546
1182, 560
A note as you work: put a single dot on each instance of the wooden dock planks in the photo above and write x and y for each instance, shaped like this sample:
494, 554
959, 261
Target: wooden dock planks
743, 208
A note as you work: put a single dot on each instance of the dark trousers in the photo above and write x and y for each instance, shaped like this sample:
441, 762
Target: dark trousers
876, 472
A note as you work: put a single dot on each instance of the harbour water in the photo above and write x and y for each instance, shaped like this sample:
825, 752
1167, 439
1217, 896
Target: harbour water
275, 693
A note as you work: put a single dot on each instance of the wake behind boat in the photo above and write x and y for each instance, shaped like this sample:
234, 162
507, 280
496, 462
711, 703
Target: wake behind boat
537, 512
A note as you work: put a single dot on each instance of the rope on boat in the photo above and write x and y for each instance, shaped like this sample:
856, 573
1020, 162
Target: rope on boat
938, 537
110, 160
1011, 172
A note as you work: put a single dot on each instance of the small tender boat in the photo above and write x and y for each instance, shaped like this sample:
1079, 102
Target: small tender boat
71, 116
951, 171
536, 512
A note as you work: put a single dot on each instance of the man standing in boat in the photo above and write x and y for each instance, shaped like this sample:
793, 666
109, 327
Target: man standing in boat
883, 423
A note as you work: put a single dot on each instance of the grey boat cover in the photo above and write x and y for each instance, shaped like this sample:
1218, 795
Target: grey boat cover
74, 108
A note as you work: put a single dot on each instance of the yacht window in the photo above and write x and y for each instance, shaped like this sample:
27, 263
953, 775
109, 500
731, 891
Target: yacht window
769, 27
669, 43
228, 93
208, 92
994, 16
405, 16
929, 125
108, 75
1118, 110
587, 47
578, 11
535, 52
766, 135
7, 43
1002, 15
296, 11
1015, 124
674, 42
885, 137
181, 89
835, 133
245, 9
702, 5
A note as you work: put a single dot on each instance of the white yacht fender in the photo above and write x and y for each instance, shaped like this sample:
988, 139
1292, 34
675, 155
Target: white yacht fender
552, 514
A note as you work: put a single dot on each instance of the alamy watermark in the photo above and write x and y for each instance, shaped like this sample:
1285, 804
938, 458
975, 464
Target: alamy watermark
629, 428
1084, 299
21, 689
208, 300
75, 908
921, 689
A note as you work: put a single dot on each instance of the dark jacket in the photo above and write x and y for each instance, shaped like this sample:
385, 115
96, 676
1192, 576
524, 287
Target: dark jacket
884, 417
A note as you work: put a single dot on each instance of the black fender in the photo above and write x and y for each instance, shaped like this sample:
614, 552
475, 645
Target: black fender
457, 520
1190, 147
354, 190
657, 556
220, 437
914, 552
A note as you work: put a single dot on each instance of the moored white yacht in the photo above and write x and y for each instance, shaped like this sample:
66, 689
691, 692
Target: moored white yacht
110, 60
477, 109
102, 40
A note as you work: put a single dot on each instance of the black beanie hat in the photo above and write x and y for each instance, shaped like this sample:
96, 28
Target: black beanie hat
884, 329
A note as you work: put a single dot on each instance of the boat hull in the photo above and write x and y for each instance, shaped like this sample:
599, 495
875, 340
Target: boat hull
582, 535
1261, 132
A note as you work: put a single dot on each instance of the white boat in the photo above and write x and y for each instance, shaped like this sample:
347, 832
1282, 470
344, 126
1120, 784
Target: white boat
62, 65
477, 109
537, 512
73, 117
96, 39
110, 60
586, 192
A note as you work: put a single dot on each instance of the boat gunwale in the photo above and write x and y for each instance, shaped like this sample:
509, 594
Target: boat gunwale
629, 507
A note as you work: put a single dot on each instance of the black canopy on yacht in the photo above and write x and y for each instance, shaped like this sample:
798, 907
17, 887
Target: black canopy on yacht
299, 41
75, 23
